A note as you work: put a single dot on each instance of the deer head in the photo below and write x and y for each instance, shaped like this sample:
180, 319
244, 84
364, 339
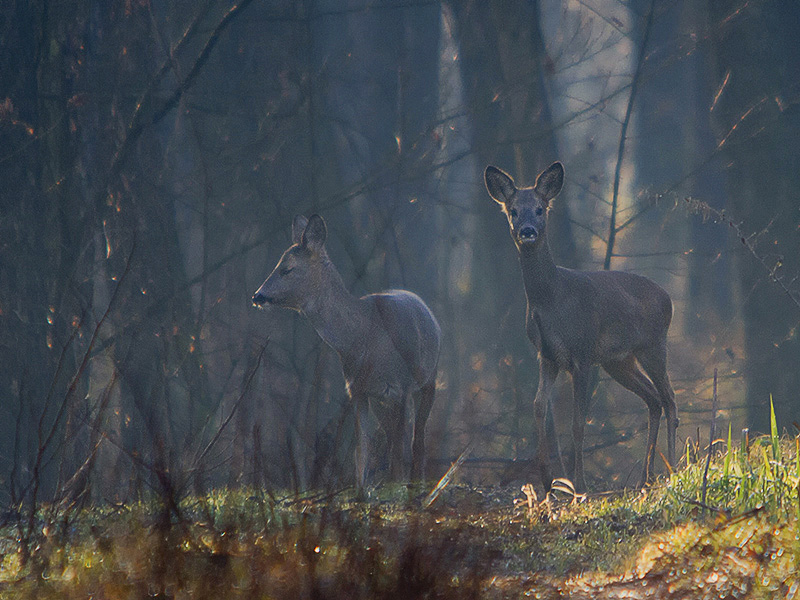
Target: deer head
526, 208
302, 272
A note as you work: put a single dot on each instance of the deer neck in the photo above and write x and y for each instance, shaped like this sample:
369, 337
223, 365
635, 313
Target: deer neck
539, 272
337, 316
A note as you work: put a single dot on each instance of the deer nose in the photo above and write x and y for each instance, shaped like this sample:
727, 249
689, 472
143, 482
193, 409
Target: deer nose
527, 233
259, 299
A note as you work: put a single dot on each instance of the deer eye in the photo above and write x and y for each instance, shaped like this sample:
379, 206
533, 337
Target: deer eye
539, 210
513, 213
285, 271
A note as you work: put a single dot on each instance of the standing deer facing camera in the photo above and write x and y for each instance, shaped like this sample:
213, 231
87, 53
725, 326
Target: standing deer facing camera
388, 343
578, 319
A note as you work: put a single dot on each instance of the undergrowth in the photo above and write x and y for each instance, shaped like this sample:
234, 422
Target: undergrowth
745, 476
730, 534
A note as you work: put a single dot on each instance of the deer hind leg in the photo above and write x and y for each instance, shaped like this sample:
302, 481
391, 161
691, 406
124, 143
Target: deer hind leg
548, 371
628, 374
391, 416
423, 401
580, 392
654, 363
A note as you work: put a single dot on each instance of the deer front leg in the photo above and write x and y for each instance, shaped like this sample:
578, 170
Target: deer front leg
580, 392
548, 371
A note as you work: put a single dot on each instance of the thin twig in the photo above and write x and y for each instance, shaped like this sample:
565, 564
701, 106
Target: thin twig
719, 215
612, 226
44, 443
704, 506
246, 388
138, 123
446, 478
712, 434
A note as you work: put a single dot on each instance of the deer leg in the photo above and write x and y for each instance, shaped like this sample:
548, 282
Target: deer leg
390, 411
548, 371
654, 362
628, 374
552, 439
423, 401
395, 428
580, 391
361, 406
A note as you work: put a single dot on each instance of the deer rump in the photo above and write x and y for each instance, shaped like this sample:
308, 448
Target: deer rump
395, 359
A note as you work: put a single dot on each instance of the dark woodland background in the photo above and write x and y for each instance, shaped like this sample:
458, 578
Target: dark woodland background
153, 154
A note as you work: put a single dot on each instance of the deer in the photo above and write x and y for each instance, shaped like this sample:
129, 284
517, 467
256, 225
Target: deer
579, 319
388, 344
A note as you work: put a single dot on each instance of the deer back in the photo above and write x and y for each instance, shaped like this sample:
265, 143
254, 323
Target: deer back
400, 348
598, 316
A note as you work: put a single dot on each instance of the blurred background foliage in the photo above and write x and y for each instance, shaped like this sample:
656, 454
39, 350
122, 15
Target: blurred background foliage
153, 154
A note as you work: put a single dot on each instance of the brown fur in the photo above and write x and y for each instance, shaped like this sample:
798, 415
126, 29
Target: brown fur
388, 343
578, 319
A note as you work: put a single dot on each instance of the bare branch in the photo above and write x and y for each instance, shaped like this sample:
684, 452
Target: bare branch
44, 443
612, 226
747, 241
712, 434
137, 123
246, 388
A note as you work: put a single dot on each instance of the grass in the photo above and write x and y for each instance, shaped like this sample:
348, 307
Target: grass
742, 542
764, 474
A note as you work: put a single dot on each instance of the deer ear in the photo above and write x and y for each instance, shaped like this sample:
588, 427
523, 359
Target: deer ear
550, 181
315, 233
499, 184
298, 227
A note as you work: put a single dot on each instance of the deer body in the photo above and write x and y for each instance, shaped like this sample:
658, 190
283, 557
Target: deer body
388, 343
578, 319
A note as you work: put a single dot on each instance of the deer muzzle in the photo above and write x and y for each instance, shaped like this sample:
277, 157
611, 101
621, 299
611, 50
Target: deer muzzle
527, 234
260, 299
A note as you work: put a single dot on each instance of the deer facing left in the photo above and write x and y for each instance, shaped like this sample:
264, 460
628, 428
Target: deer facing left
388, 344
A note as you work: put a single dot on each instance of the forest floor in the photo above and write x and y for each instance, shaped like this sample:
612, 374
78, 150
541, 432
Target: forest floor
470, 542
